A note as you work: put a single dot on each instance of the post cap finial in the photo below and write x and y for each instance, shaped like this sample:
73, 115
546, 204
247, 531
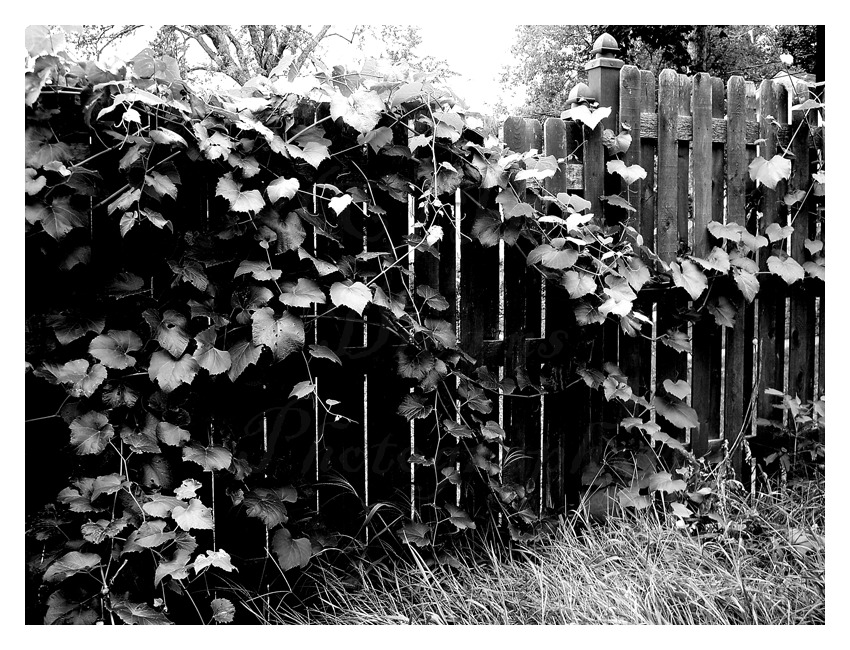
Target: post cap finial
605, 46
579, 90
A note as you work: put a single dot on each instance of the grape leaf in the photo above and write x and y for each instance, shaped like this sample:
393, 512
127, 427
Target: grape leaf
459, 517
813, 246
248, 201
167, 136
33, 184
210, 358
289, 231
786, 268
619, 289
71, 564
242, 355
161, 505
635, 271
339, 203
458, 430
291, 552
355, 295
362, 109
664, 482
770, 172
578, 284
161, 184
415, 533
223, 610
413, 406
259, 269
680, 510
378, 139
266, 505
679, 388
747, 283
102, 529
717, 259
302, 389
169, 372
313, 153
137, 613
219, 558
187, 489
282, 335
775, 232
112, 349
619, 202
582, 113
171, 434
58, 219
587, 314
109, 484
689, 277
552, 257
723, 311
323, 352
815, 270
79, 499
629, 173
442, 332
168, 330
323, 268
197, 515
176, 568
282, 188
492, 431
303, 293
432, 297
210, 458
675, 411
90, 433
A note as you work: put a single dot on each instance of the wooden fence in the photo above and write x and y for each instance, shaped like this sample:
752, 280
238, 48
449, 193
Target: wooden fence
695, 137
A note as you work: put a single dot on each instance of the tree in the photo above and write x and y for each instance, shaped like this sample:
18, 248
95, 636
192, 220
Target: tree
245, 51
550, 58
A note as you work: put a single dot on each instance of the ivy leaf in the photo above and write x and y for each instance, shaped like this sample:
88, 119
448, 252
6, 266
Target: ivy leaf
689, 277
415, 533
578, 284
209, 458
219, 559
169, 372
291, 552
630, 173
91, 432
770, 172
249, 201
259, 269
282, 335
459, 517
679, 388
266, 505
282, 188
723, 311
58, 218
223, 610
786, 268
176, 568
582, 113
161, 184
137, 613
197, 515
747, 283
355, 296
171, 434
414, 406
242, 355
71, 564
112, 349
675, 411
303, 293
323, 352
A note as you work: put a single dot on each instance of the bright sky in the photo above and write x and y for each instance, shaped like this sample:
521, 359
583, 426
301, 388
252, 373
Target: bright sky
478, 64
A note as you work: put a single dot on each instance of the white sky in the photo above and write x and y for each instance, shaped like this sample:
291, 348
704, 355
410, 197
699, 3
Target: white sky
478, 63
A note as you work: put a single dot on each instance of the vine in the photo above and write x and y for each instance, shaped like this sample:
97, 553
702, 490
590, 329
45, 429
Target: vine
214, 299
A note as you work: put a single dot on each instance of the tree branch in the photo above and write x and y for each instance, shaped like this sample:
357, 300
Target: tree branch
310, 47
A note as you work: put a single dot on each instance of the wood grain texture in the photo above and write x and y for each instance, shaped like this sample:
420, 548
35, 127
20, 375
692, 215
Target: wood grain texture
719, 129
667, 231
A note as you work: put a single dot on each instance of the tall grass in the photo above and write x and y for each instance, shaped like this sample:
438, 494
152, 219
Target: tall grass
764, 566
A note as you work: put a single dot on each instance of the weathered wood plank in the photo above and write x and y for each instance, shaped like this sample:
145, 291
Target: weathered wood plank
559, 140
667, 244
684, 160
719, 128
647, 158
705, 382
801, 348
771, 297
521, 416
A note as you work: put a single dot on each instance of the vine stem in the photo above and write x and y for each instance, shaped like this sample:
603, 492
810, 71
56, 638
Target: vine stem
127, 186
